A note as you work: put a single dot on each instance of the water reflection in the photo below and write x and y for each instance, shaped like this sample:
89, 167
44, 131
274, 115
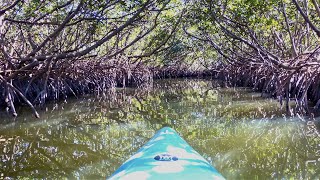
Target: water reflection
243, 135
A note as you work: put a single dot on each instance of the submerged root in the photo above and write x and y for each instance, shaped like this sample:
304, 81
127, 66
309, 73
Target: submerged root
64, 80
299, 84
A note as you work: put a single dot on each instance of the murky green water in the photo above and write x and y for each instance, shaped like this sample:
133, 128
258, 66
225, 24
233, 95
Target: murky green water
243, 135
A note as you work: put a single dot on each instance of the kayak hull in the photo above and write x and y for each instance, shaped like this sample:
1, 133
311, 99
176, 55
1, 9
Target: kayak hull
166, 156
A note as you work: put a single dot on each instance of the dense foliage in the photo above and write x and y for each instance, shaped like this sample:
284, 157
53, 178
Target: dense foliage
270, 45
53, 49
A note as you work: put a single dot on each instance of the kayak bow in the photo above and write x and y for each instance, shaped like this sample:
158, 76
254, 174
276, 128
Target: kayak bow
166, 156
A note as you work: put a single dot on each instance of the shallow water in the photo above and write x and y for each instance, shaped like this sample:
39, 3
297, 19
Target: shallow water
242, 134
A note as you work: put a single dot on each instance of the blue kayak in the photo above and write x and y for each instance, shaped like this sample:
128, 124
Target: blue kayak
166, 156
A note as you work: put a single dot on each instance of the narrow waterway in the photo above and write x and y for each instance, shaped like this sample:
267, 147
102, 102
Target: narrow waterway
242, 134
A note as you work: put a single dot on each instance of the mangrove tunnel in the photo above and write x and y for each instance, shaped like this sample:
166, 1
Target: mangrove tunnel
106, 74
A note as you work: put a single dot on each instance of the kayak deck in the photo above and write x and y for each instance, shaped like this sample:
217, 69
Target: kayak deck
166, 156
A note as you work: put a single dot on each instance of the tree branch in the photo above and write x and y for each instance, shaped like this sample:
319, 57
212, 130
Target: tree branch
306, 18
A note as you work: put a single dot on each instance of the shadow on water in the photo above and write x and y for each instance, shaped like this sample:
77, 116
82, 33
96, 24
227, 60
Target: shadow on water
242, 134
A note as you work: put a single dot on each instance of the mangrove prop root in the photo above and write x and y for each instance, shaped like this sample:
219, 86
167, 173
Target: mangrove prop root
300, 84
65, 79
